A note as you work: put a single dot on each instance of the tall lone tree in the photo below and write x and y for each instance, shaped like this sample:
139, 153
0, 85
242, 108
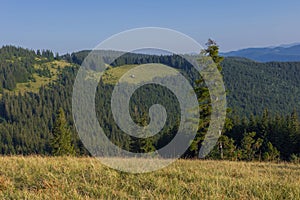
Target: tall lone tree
212, 51
62, 139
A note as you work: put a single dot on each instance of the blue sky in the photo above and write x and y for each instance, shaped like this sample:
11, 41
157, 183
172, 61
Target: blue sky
67, 26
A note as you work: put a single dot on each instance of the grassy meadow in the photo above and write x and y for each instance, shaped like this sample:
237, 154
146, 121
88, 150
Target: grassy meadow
86, 178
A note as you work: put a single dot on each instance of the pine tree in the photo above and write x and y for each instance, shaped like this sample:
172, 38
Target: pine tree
249, 146
62, 141
145, 145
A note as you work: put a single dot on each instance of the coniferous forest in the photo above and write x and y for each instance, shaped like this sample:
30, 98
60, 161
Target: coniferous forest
262, 121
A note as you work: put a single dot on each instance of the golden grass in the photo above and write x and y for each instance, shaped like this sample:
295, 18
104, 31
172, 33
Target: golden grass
86, 178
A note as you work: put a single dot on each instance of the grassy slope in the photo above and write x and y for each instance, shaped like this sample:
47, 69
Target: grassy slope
112, 75
86, 178
31, 86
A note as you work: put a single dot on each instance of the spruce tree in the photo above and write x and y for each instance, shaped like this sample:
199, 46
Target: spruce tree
62, 141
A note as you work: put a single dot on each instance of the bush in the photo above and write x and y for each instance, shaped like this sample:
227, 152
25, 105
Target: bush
295, 158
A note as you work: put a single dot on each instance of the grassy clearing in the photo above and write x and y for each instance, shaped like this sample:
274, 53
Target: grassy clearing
113, 75
87, 178
34, 86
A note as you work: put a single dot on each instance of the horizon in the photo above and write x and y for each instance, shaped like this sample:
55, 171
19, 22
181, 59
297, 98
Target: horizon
65, 28
151, 51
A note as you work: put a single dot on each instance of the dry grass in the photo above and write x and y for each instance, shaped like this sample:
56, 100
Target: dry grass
86, 178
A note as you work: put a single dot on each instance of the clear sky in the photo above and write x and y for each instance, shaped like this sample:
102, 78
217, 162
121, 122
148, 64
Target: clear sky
67, 26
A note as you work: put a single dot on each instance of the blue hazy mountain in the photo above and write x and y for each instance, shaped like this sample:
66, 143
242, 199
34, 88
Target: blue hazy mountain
281, 53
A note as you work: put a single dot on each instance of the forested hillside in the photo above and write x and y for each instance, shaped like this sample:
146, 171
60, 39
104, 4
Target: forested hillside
253, 86
28, 106
42, 83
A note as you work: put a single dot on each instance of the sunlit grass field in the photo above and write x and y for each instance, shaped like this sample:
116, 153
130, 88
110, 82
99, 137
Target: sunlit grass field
86, 178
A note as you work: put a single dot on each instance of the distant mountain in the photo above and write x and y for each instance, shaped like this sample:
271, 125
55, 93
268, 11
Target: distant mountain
281, 53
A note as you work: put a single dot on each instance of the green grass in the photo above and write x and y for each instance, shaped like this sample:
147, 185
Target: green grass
86, 178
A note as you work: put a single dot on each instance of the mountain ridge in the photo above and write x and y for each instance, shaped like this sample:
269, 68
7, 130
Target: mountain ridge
282, 53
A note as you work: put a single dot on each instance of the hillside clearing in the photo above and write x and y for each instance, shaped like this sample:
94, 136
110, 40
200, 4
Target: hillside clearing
138, 73
33, 86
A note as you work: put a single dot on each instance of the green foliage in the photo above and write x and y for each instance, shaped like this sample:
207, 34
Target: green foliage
142, 145
295, 158
62, 139
212, 51
272, 154
250, 146
44, 71
228, 151
17, 65
265, 137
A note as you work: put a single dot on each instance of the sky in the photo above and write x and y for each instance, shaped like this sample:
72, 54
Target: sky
68, 26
